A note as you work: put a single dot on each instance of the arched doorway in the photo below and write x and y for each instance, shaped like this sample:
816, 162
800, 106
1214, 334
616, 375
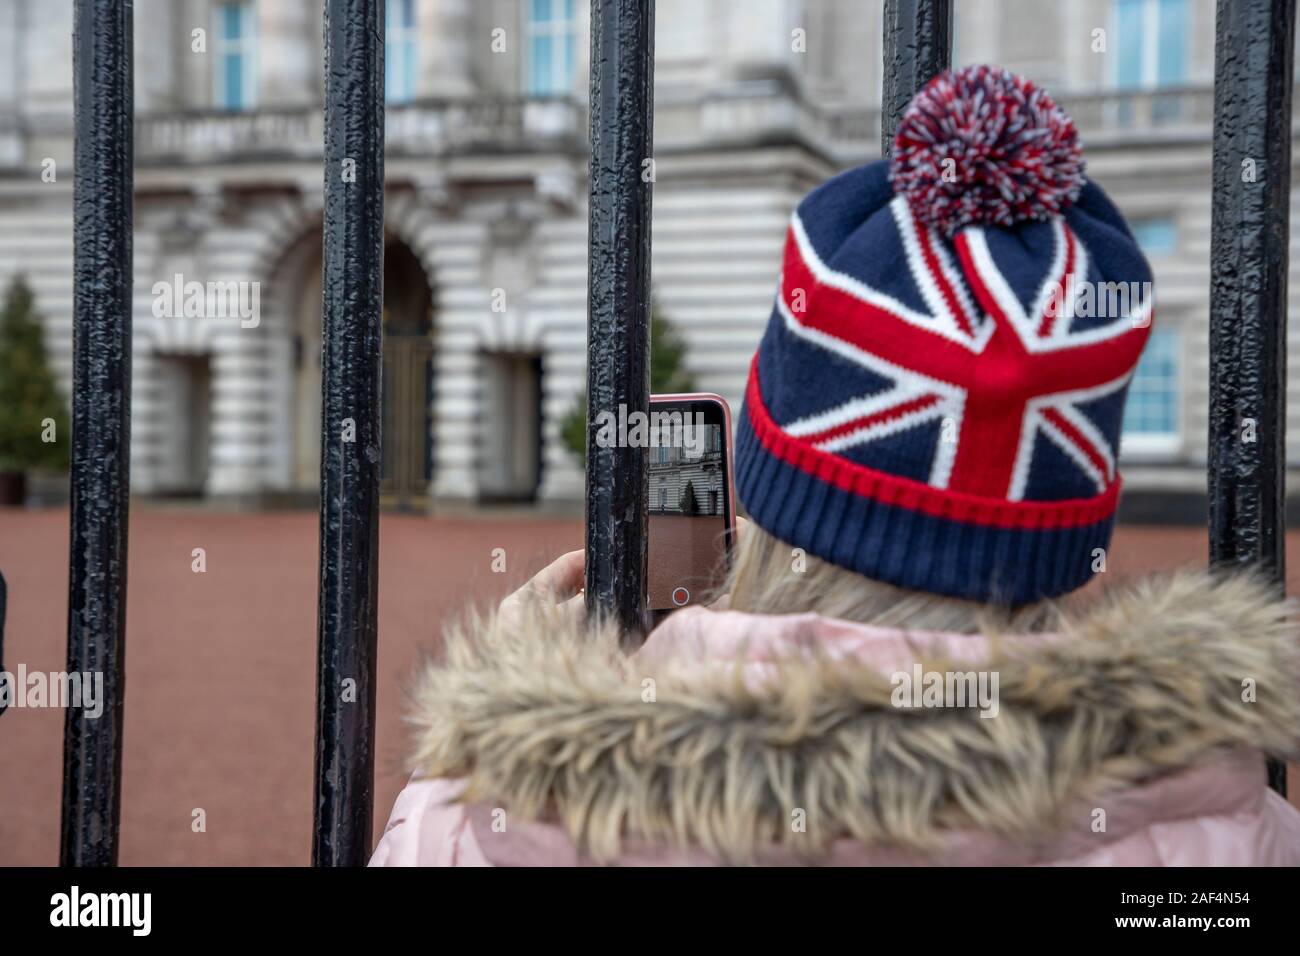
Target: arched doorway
407, 375
296, 300
407, 464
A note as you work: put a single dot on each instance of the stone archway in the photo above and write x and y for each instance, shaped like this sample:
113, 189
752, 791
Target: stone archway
407, 367
297, 285
290, 254
407, 464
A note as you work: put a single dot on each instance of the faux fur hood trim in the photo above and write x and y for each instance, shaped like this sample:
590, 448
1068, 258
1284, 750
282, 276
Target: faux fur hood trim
551, 723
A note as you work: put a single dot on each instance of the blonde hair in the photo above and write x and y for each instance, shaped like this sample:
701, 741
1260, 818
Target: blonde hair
765, 579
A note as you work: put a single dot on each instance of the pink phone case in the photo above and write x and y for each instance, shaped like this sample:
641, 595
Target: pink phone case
678, 397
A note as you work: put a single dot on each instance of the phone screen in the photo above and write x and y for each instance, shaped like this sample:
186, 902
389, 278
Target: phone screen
690, 506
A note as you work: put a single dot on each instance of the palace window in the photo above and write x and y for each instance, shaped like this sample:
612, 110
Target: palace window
1156, 237
1151, 418
551, 31
399, 51
235, 57
1150, 43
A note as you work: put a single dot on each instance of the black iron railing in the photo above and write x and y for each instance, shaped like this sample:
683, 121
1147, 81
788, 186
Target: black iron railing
618, 300
103, 72
351, 439
918, 47
1248, 328
1250, 234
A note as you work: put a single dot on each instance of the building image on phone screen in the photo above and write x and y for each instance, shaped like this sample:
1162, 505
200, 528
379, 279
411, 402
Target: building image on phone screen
688, 517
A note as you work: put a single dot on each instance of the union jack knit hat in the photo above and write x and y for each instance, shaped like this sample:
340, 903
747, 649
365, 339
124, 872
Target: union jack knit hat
937, 400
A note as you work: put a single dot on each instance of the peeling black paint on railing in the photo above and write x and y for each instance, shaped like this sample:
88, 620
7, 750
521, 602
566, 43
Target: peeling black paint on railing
1250, 232
351, 436
618, 302
917, 47
101, 424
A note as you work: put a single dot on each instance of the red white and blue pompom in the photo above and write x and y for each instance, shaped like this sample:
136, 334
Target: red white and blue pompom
983, 145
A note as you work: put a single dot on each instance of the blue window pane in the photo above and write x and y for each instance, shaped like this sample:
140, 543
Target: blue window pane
1129, 23
399, 70
1171, 67
232, 20
1157, 237
566, 63
1152, 407
235, 27
540, 65
551, 47
392, 71
399, 14
399, 51
232, 94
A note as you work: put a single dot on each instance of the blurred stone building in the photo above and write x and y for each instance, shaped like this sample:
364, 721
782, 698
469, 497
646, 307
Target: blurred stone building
756, 102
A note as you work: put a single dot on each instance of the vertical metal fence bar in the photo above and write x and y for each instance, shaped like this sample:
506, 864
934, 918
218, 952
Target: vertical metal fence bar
351, 437
618, 302
101, 423
1250, 232
918, 46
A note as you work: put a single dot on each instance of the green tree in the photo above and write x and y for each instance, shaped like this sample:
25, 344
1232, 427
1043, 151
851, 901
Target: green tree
688, 503
29, 396
667, 374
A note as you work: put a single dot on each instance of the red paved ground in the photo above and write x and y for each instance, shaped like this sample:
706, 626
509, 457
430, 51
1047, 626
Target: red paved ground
686, 551
221, 666
221, 670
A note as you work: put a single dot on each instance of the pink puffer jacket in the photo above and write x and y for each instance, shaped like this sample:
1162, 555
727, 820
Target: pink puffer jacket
1133, 737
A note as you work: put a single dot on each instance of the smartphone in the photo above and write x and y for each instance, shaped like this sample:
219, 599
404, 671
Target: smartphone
692, 507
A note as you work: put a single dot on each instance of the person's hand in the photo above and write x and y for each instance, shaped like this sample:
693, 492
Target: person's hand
558, 585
